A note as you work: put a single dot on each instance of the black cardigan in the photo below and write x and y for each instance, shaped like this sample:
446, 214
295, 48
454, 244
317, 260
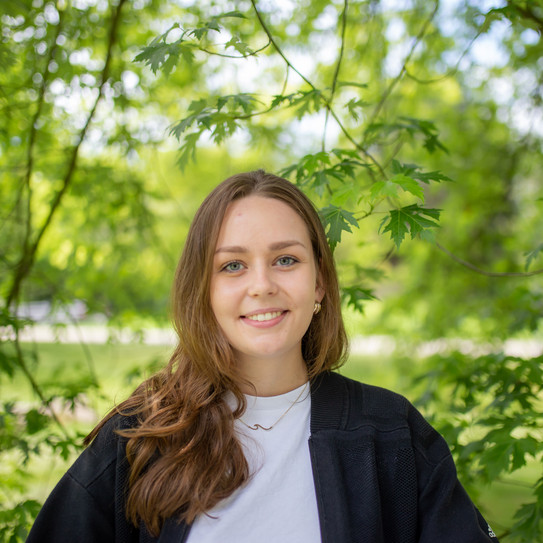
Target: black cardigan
382, 475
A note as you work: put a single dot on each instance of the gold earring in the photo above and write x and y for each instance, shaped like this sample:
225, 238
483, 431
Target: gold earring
317, 308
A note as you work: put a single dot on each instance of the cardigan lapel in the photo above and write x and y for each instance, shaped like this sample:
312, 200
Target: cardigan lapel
329, 402
344, 466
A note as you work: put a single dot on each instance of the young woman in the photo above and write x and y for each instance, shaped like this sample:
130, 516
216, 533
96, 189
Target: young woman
247, 434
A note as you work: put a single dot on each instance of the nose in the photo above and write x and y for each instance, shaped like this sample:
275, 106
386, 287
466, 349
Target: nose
261, 282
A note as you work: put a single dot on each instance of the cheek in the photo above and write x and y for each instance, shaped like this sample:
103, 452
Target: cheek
221, 294
214, 296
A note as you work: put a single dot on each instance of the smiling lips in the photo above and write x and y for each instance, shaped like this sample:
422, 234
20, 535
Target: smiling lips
266, 317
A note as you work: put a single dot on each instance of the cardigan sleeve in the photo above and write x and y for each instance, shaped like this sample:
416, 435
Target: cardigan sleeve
87, 504
72, 513
446, 512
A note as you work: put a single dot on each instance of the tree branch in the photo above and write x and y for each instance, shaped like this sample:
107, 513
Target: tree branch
476, 269
35, 387
26, 181
336, 71
450, 72
327, 104
397, 79
29, 251
235, 56
276, 46
27, 259
527, 13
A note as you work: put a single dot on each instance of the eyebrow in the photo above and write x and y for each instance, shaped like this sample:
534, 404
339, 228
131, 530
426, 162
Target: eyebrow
277, 246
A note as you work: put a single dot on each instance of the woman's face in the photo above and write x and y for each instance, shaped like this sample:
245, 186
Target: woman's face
264, 280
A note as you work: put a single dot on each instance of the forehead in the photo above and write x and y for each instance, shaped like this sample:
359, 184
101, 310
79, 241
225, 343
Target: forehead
256, 219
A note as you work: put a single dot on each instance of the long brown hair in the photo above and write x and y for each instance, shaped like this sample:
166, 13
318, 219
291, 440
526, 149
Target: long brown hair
184, 455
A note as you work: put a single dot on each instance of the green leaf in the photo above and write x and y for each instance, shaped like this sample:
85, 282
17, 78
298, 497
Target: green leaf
307, 102
35, 421
425, 127
412, 170
383, 189
428, 235
496, 459
426, 177
187, 151
336, 221
343, 194
352, 84
238, 45
320, 182
180, 127
161, 54
208, 26
278, 99
234, 13
390, 187
8, 363
353, 106
412, 219
155, 56
242, 100
532, 255
528, 521
355, 296
408, 184
308, 165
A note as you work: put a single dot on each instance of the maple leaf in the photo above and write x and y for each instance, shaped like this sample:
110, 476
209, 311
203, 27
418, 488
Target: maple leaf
278, 99
426, 128
411, 219
187, 151
157, 54
352, 105
336, 221
408, 184
390, 187
383, 188
308, 102
355, 296
532, 255
320, 182
238, 45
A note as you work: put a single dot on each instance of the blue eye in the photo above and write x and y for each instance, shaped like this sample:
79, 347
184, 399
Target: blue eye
286, 261
233, 266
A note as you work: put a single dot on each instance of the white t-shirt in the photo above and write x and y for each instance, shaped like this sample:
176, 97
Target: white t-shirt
278, 504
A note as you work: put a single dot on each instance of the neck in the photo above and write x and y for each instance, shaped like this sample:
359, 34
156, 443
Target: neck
271, 377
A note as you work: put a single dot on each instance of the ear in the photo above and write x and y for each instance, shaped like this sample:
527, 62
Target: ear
319, 288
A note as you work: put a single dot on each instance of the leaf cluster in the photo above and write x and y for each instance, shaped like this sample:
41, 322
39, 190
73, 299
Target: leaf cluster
495, 419
164, 54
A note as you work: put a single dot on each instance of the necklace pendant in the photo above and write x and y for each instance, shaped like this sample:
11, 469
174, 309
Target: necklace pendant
259, 426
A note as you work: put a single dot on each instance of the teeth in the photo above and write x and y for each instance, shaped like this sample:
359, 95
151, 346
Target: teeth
265, 316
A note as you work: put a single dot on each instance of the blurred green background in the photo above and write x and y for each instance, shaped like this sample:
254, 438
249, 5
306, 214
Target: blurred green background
416, 127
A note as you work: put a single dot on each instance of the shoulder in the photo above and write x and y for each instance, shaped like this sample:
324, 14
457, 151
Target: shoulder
87, 504
343, 404
101, 459
353, 402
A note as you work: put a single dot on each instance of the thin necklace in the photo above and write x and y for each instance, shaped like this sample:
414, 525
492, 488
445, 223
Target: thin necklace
260, 427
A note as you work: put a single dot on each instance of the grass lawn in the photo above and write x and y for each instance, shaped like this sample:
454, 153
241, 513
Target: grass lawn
120, 367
